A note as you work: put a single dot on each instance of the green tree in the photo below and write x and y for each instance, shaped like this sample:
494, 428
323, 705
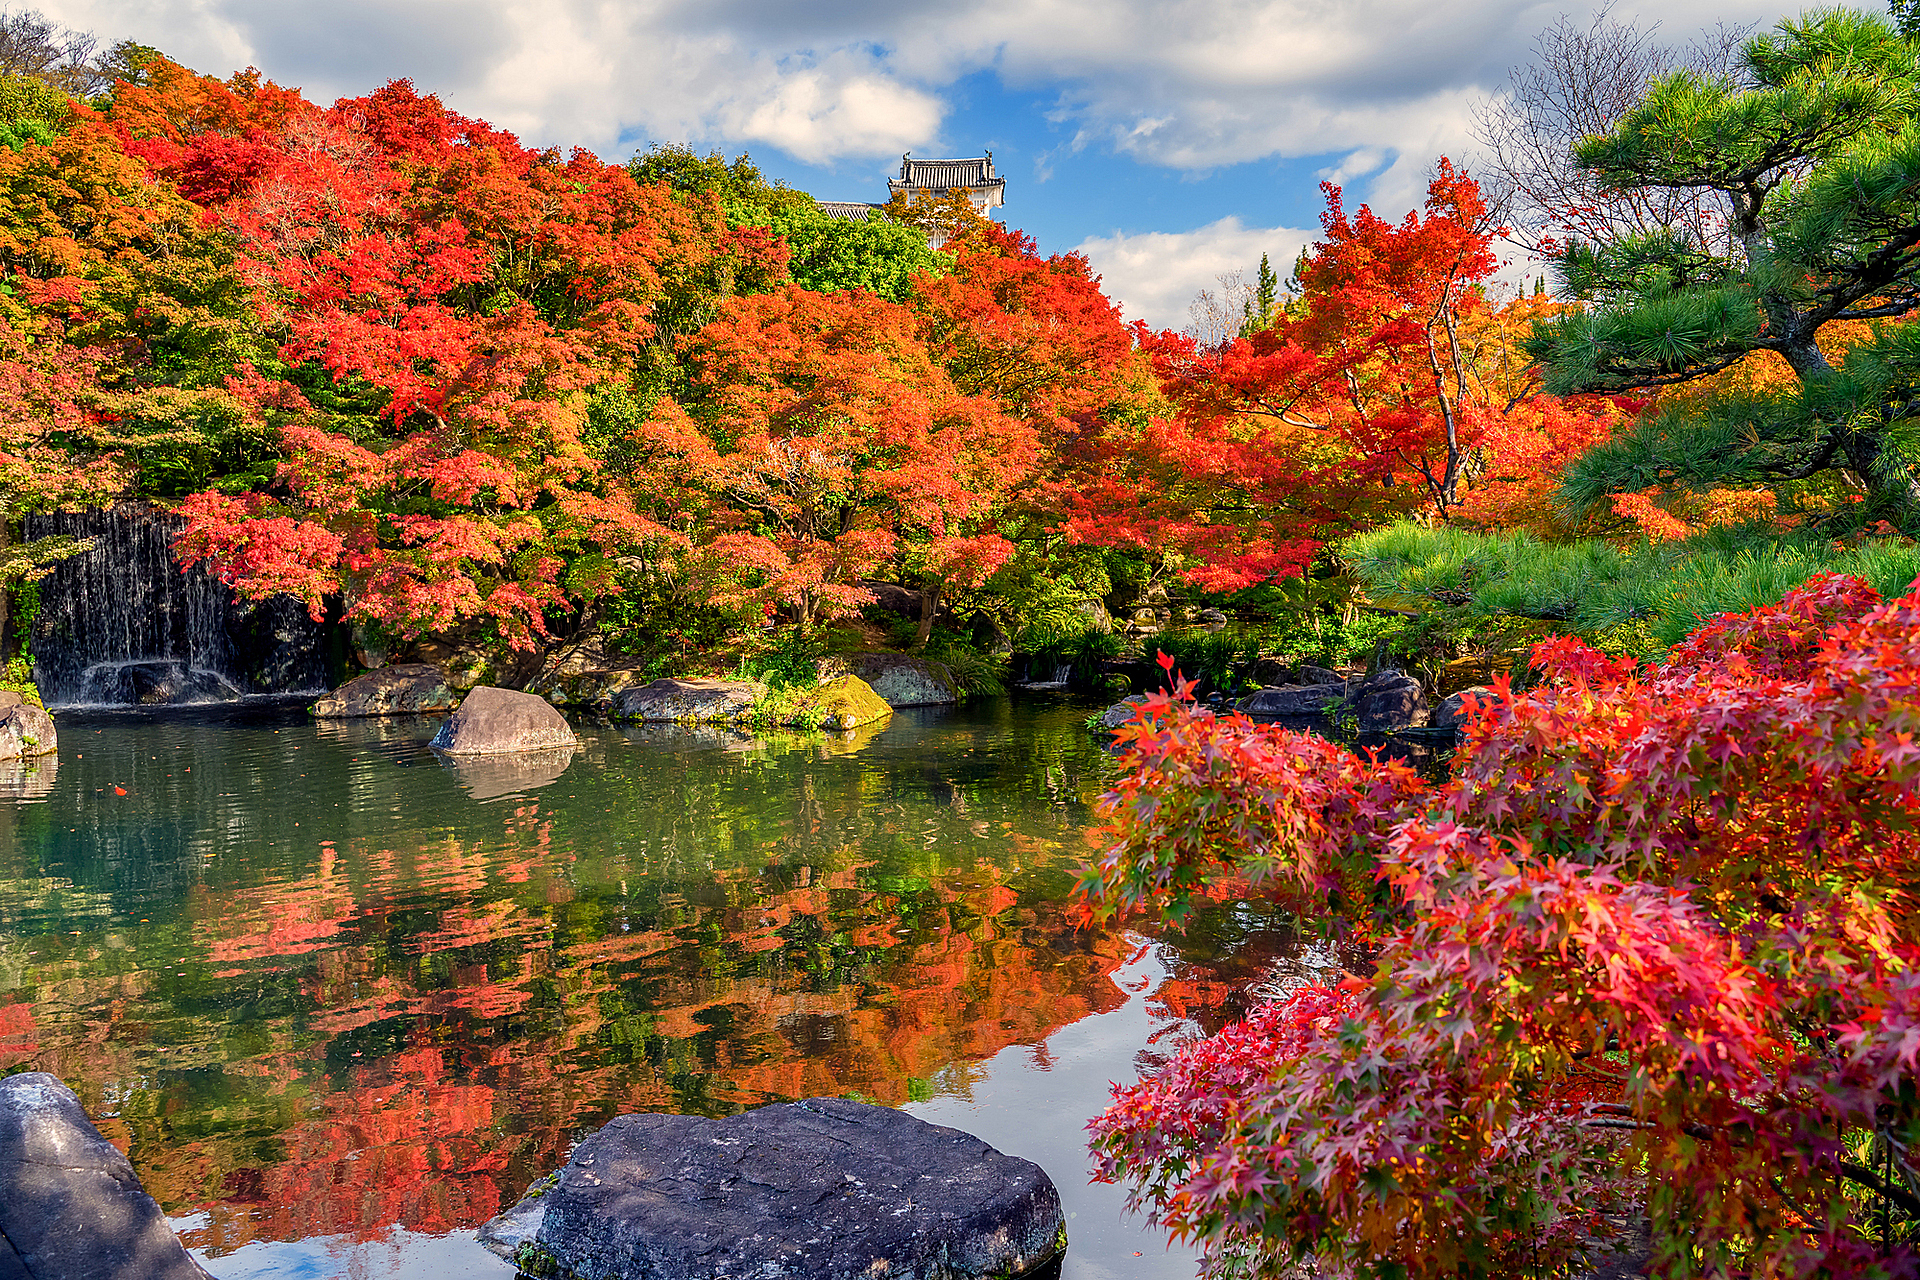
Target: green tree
1266, 295
738, 184
879, 255
1814, 148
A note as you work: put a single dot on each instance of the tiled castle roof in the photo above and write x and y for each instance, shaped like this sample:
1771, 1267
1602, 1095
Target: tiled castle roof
847, 210
944, 175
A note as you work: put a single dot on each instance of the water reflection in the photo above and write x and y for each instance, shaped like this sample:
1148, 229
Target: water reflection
490, 777
320, 993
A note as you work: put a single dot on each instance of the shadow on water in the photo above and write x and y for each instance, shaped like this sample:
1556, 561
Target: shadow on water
339, 1013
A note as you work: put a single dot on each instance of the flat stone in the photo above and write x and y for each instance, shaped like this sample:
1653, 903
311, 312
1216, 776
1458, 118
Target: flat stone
674, 700
825, 1189
70, 1205
26, 730
494, 722
411, 688
1291, 700
900, 679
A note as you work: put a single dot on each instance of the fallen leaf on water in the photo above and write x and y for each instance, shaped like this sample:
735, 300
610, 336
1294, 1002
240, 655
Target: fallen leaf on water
119, 791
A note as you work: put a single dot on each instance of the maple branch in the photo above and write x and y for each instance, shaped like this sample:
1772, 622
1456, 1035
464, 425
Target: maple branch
1874, 1182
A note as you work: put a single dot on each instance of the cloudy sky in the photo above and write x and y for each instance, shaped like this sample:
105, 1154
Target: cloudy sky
1169, 140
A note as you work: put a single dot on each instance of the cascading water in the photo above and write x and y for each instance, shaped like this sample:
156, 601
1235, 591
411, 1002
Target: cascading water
121, 625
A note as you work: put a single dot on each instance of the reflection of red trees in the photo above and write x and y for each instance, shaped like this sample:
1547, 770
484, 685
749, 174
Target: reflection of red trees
517, 1030
17, 1041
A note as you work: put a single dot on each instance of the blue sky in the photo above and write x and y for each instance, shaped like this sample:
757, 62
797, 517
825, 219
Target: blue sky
1169, 140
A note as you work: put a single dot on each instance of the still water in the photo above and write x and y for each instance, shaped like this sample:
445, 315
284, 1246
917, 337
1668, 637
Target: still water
341, 1001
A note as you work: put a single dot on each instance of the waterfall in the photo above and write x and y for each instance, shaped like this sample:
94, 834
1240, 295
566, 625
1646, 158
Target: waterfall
122, 625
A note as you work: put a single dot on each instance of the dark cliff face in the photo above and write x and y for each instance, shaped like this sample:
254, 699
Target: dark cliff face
121, 624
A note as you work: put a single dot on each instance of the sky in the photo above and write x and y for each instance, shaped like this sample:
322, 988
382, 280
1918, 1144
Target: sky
1168, 140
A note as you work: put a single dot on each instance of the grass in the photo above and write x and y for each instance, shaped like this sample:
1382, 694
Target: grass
1640, 598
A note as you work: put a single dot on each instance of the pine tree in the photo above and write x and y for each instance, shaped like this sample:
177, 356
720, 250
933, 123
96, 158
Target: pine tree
1266, 291
1815, 149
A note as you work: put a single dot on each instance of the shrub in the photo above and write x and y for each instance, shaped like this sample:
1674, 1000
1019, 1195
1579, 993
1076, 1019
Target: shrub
1649, 948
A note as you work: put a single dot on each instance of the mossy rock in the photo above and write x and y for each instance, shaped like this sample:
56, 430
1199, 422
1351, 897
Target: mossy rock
844, 702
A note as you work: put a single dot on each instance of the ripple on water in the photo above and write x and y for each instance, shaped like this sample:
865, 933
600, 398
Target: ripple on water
343, 1000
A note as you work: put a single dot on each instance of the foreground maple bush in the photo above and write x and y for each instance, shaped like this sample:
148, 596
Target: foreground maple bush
1650, 947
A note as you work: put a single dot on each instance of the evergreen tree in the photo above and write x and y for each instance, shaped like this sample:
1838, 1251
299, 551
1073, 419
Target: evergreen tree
1266, 292
1815, 147
1906, 16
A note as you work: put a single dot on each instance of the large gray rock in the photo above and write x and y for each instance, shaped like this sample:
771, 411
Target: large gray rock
412, 688
1291, 700
677, 700
158, 682
891, 597
1268, 673
70, 1206
26, 730
1121, 712
1310, 674
591, 690
900, 680
493, 722
1386, 701
819, 1190
1452, 711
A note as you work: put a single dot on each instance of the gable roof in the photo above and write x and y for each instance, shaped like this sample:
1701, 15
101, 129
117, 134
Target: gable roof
944, 175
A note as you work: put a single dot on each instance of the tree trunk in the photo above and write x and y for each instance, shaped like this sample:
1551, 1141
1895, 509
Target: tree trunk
929, 602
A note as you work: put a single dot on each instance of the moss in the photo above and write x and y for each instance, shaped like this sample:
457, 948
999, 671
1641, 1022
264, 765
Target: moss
844, 702
532, 1260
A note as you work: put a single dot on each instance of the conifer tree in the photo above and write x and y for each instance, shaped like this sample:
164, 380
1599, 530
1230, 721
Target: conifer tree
1266, 293
1815, 147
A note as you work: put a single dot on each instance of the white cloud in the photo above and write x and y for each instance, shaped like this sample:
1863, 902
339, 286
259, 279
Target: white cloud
1155, 275
1189, 84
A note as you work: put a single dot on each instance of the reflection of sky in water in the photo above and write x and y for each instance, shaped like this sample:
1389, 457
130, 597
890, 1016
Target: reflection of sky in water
342, 1002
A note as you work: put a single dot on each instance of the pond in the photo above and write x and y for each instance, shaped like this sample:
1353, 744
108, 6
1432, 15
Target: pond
341, 1001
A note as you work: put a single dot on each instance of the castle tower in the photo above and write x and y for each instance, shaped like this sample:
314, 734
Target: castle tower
973, 175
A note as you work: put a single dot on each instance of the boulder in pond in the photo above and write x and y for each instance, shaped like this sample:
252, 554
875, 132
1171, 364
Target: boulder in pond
900, 679
1452, 711
155, 682
671, 699
70, 1206
1291, 700
26, 730
411, 688
492, 722
824, 1189
1387, 701
1121, 712
844, 702
1310, 674
1268, 673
